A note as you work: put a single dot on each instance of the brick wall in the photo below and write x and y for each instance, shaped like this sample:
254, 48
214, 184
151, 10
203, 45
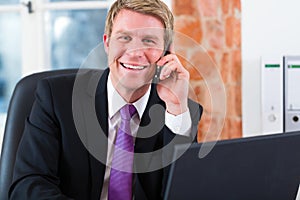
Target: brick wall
208, 42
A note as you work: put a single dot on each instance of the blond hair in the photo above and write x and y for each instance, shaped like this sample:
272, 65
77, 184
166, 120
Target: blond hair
154, 8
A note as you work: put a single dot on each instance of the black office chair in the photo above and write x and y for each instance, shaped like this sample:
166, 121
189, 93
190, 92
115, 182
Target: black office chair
19, 108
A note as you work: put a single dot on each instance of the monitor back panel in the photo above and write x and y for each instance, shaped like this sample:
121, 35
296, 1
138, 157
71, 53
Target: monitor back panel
263, 167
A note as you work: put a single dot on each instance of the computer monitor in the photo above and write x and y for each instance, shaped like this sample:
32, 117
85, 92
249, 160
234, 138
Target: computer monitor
262, 167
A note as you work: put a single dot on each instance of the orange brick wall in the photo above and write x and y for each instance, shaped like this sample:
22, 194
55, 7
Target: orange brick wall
215, 26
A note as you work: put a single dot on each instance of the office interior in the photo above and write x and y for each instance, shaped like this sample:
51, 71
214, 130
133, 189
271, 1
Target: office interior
236, 37
240, 42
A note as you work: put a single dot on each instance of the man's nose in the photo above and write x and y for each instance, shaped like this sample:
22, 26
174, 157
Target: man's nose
135, 49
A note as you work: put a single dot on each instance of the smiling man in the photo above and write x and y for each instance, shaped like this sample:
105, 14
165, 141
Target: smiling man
56, 160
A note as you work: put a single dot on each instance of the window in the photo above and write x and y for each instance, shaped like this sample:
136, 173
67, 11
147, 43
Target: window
71, 35
10, 54
57, 34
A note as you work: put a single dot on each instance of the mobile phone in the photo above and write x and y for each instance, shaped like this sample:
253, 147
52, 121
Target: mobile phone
157, 74
158, 69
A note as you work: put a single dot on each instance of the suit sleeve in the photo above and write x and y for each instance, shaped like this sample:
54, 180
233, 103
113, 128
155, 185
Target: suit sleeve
173, 139
36, 166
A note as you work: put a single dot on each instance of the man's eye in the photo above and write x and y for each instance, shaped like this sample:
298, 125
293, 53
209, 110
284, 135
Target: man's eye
149, 41
124, 38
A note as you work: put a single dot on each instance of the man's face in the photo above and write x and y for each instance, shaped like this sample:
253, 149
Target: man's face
135, 45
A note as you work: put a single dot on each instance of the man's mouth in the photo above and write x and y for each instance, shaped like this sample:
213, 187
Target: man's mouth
133, 67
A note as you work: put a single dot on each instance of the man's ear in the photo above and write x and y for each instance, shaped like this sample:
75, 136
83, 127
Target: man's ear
105, 42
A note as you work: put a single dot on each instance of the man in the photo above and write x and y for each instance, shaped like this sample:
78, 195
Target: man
63, 154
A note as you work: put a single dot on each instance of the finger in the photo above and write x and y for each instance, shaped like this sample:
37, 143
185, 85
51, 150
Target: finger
168, 70
164, 60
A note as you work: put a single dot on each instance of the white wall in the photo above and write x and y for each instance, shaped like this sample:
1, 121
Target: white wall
269, 28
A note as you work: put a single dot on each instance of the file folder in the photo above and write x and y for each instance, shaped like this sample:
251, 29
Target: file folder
291, 93
271, 95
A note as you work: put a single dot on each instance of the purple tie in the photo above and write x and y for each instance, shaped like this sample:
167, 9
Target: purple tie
120, 184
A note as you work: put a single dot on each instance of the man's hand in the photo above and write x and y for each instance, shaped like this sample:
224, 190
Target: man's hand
174, 83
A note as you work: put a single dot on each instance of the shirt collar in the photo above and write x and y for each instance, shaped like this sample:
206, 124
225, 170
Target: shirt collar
116, 102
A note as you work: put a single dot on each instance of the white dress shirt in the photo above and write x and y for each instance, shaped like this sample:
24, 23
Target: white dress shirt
115, 103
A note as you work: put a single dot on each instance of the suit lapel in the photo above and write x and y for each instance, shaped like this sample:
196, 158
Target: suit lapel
149, 139
94, 109
149, 133
151, 123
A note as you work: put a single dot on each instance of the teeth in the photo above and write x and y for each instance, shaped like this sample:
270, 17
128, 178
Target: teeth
133, 67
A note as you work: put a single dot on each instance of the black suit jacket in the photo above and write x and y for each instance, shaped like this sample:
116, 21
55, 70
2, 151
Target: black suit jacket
66, 135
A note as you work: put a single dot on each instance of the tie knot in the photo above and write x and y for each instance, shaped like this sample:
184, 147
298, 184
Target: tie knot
127, 111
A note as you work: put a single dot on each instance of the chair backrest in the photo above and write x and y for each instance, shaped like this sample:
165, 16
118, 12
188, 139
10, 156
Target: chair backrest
19, 108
